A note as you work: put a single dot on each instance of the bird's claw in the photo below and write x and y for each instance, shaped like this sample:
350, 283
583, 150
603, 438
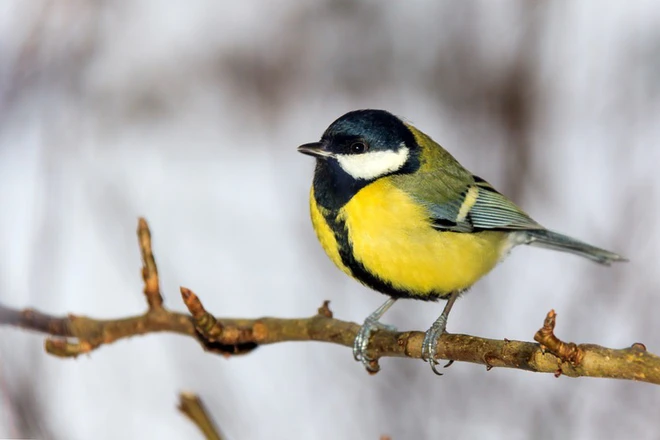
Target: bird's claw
430, 345
361, 342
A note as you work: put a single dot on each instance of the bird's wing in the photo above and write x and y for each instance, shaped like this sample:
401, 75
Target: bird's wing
479, 207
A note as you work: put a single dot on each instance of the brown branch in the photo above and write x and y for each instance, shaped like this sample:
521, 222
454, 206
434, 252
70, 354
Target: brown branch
79, 334
236, 336
192, 407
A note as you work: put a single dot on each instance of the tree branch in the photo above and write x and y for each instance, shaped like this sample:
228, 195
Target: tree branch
78, 334
192, 407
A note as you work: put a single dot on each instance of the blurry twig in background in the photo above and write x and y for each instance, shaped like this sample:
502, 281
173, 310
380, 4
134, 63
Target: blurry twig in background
23, 407
238, 336
192, 406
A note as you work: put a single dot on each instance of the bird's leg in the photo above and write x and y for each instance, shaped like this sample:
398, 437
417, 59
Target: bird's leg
430, 344
371, 324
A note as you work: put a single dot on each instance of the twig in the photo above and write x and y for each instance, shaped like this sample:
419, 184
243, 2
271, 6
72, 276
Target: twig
566, 351
192, 407
79, 334
149, 269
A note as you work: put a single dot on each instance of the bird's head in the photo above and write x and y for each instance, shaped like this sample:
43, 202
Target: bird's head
366, 145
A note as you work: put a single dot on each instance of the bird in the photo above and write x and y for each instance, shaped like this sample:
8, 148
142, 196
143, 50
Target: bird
398, 213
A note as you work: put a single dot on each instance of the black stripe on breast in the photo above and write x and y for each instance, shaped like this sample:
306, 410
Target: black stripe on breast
361, 273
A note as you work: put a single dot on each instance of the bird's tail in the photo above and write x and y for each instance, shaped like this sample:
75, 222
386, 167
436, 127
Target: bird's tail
553, 240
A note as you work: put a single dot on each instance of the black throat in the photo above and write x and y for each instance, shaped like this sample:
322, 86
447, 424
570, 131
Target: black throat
334, 187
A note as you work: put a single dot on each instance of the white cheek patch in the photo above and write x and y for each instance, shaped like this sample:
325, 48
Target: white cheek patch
371, 165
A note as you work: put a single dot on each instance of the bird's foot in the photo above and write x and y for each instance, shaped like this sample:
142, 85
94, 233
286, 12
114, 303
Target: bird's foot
430, 344
361, 342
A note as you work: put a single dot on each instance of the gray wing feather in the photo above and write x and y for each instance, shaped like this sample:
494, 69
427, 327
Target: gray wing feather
494, 211
490, 211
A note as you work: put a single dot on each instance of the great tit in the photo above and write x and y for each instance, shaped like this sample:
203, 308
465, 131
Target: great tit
398, 213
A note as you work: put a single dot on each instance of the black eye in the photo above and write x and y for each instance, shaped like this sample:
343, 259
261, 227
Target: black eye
358, 147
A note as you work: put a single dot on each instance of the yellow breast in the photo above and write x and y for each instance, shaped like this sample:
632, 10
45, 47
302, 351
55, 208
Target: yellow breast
392, 237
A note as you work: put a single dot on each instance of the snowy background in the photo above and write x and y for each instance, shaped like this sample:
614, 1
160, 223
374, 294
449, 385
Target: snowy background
190, 112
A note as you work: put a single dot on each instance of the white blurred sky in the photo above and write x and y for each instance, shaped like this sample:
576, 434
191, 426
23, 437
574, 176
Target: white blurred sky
137, 108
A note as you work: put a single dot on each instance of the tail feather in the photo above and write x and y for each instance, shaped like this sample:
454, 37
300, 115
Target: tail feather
553, 240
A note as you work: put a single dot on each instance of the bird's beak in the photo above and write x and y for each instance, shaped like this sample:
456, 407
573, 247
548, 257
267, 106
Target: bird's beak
316, 149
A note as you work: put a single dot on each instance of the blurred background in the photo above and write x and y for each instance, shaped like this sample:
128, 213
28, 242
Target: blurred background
189, 113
